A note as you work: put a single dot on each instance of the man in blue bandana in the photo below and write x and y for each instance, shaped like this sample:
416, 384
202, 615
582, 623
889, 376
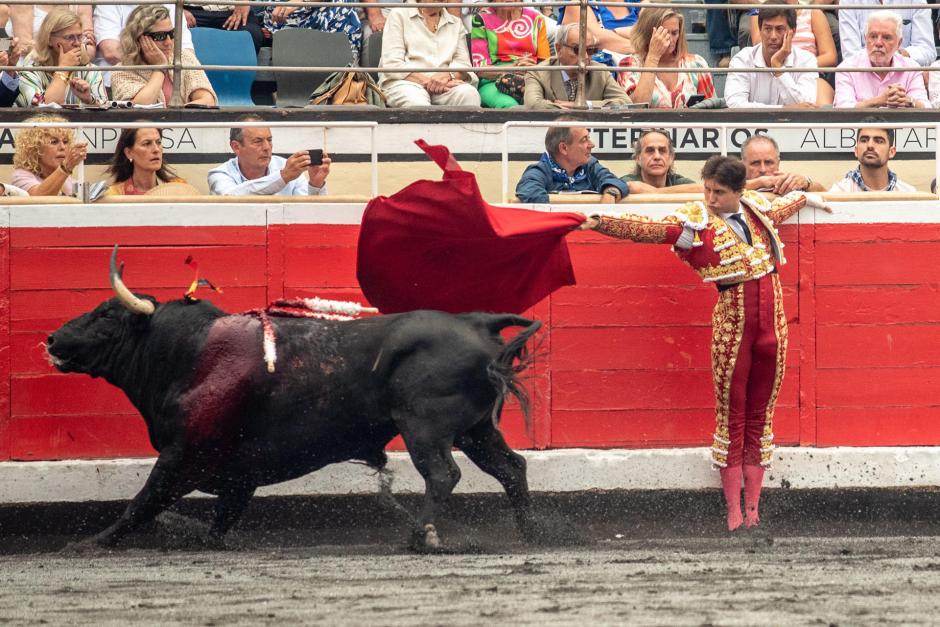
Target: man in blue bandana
874, 148
568, 167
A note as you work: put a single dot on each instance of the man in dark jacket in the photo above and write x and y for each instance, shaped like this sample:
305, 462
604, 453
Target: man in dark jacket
568, 167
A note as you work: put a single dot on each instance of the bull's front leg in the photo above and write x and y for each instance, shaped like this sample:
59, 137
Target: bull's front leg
171, 479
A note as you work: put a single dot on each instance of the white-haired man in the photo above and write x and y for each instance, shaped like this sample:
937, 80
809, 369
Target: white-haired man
885, 85
916, 28
559, 90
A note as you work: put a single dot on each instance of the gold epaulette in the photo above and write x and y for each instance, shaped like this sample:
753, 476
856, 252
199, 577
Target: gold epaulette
693, 215
756, 200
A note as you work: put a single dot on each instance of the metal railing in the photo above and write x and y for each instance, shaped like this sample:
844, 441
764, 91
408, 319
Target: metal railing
722, 129
80, 126
580, 69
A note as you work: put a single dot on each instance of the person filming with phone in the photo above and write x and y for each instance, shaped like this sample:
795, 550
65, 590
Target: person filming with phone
60, 42
256, 170
11, 49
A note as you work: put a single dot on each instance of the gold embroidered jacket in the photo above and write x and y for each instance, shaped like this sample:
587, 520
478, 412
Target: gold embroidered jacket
714, 250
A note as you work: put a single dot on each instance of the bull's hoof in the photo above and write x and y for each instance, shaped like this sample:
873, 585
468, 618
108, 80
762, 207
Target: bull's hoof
426, 540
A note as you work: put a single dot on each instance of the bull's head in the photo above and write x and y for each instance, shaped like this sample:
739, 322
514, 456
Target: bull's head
90, 342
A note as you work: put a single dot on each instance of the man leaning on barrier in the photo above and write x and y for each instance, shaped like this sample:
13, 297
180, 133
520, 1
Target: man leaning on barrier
559, 90
874, 148
654, 155
568, 167
255, 170
761, 157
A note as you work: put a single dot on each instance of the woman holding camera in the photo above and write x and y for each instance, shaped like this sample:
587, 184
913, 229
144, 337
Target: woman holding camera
137, 165
60, 42
147, 39
45, 157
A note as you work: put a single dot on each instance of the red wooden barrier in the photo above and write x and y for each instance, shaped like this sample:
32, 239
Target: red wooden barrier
624, 361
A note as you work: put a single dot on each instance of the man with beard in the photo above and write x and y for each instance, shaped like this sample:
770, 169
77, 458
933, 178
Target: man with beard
885, 86
761, 157
874, 147
771, 89
654, 155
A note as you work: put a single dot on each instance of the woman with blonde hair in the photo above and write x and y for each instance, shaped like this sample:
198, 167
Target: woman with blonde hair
45, 157
59, 42
147, 39
659, 40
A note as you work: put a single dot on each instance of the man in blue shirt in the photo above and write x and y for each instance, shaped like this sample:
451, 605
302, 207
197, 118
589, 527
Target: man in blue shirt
255, 170
568, 167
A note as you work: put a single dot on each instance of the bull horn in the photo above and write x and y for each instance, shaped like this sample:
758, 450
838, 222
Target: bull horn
127, 298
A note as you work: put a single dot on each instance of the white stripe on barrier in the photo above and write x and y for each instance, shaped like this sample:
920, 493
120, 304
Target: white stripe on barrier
215, 214
560, 470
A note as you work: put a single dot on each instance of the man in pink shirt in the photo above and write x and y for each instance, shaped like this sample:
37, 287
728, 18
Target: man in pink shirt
883, 87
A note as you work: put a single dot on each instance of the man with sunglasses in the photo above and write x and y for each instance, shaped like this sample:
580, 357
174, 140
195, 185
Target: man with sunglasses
559, 90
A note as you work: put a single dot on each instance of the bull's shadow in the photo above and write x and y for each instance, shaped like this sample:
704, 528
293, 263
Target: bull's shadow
224, 424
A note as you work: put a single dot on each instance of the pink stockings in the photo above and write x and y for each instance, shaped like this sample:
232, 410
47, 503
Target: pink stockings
731, 486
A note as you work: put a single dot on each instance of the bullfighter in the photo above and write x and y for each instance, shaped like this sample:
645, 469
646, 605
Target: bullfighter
731, 240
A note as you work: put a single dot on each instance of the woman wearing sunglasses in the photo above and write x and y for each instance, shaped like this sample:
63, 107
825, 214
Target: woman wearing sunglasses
147, 39
59, 42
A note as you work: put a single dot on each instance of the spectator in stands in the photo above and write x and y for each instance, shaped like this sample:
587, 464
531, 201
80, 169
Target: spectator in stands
335, 19
609, 24
148, 40
256, 171
761, 156
45, 157
882, 87
419, 36
137, 165
915, 29
933, 86
559, 90
654, 155
507, 36
27, 20
768, 89
110, 21
659, 40
874, 148
567, 166
225, 17
10, 81
59, 42
376, 18
814, 35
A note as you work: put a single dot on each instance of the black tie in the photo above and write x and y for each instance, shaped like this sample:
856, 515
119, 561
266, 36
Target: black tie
737, 217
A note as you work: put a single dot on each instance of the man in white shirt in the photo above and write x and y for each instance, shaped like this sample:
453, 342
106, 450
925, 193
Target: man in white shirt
769, 89
109, 21
916, 29
874, 148
255, 170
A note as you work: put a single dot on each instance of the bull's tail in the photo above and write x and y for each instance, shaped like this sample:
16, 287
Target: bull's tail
514, 358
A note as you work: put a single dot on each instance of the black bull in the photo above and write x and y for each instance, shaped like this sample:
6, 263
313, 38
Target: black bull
341, 391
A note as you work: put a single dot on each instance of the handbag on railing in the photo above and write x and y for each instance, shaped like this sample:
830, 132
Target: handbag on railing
348, 88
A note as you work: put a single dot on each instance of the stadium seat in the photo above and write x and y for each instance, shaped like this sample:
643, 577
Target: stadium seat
372, 53
215, 46
297, 47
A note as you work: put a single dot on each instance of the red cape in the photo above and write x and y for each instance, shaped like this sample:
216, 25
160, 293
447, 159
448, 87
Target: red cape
439, 245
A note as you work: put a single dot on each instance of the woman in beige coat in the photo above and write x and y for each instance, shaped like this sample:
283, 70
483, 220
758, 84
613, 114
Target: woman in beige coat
147, 39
